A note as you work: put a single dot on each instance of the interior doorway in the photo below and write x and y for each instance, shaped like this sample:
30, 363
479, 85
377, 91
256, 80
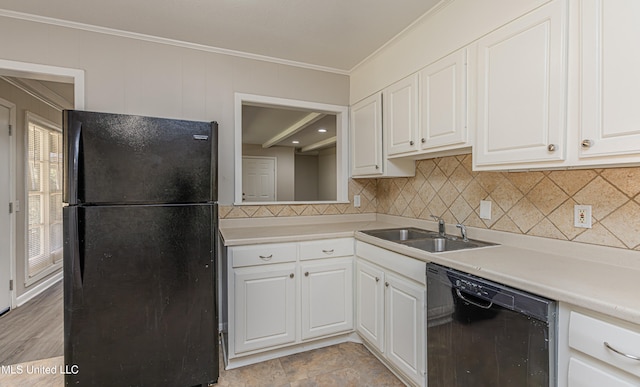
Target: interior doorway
7, 125
16, 290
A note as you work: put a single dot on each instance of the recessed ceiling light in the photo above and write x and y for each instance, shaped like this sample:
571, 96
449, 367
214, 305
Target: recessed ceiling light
322, 130
295, 142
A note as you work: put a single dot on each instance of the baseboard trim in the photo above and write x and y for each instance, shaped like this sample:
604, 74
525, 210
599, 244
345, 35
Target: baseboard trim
39, 288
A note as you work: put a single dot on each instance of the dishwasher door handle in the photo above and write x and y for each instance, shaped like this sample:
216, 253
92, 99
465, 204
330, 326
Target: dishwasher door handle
459, 293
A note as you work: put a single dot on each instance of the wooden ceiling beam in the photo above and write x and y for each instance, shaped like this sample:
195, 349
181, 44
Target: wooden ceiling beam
293, 129
319, 144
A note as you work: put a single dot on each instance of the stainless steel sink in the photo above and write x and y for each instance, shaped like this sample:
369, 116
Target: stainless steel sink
440, 244
426, 240
401, 234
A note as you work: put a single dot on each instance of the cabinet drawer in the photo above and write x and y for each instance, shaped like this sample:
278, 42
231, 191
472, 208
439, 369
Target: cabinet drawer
263, 254
326, 248
588, 335
582, 374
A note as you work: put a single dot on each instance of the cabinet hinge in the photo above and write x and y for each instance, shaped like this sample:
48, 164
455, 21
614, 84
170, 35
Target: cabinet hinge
10, 285
10, 130
11, 208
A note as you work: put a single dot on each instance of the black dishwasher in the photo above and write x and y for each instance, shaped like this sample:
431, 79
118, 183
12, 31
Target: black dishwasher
481, 333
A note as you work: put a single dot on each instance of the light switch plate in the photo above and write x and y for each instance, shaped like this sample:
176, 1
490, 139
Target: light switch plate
485, 209
582, 216
356, 200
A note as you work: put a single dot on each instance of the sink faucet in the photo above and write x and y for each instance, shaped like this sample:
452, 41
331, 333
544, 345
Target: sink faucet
463, 231
441, 231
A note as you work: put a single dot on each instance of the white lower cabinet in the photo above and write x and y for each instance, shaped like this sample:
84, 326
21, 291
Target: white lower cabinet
390, 309
404, 302
597, 350
327, 297
265, 306
287, 294
370, 303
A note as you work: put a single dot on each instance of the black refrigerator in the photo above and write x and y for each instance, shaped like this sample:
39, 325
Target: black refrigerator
139, 251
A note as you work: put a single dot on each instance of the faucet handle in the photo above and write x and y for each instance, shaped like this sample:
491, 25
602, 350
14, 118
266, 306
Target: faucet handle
463, 231
439, 219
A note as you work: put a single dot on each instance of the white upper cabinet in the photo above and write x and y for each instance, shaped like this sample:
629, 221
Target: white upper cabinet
609, 79
368, 156
366, 136
443, 91
401, 116
521, 91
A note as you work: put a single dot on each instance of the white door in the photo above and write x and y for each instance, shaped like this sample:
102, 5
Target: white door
522, 90
366, 136
258, 179
265, 312
5, 198
327, 297
610, 118
405, 347
370, 304
400, 102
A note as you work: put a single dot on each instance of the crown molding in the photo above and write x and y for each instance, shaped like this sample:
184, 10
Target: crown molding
166, 41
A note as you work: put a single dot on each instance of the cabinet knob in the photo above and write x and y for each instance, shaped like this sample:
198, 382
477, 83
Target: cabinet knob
291, 275
586, 143
377, 279
306, 273
377, 167
411, 142
423, 140
551, 147
386, 284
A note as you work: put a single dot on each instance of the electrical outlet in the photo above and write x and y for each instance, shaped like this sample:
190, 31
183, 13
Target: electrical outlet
485, 209
356, 200
582, 216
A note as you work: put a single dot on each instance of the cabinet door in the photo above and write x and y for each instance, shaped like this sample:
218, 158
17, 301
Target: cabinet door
521, 95
443, 102
366, 136
405, 328
401, 116
610, 118
265, 301
370, 304
327, 297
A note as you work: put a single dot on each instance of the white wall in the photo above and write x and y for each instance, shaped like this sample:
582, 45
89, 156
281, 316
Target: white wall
125, 75
327, 174
456, 25
307, 178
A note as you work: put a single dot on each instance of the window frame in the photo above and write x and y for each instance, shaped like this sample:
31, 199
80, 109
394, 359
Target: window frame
342, 144
56, 264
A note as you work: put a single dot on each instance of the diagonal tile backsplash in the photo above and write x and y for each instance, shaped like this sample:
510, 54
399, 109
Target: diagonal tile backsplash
366, 188
536, 203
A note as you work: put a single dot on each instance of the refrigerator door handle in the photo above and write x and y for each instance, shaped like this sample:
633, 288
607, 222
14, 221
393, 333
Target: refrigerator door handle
72, 138
77, 262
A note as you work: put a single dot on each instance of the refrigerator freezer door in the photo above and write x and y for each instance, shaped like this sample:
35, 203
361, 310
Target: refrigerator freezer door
123, 159
140, 295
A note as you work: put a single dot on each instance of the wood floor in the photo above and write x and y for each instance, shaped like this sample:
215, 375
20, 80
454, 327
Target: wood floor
31, 341
33, 331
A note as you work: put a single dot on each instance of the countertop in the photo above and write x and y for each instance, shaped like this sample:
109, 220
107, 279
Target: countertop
601, 279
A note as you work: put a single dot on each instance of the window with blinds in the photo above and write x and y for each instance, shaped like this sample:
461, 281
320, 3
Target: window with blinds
44, 186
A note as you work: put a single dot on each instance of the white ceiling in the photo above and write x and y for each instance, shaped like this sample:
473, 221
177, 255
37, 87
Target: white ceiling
336, 34
261, 123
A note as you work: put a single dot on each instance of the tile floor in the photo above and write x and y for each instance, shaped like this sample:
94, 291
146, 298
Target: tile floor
347, 364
